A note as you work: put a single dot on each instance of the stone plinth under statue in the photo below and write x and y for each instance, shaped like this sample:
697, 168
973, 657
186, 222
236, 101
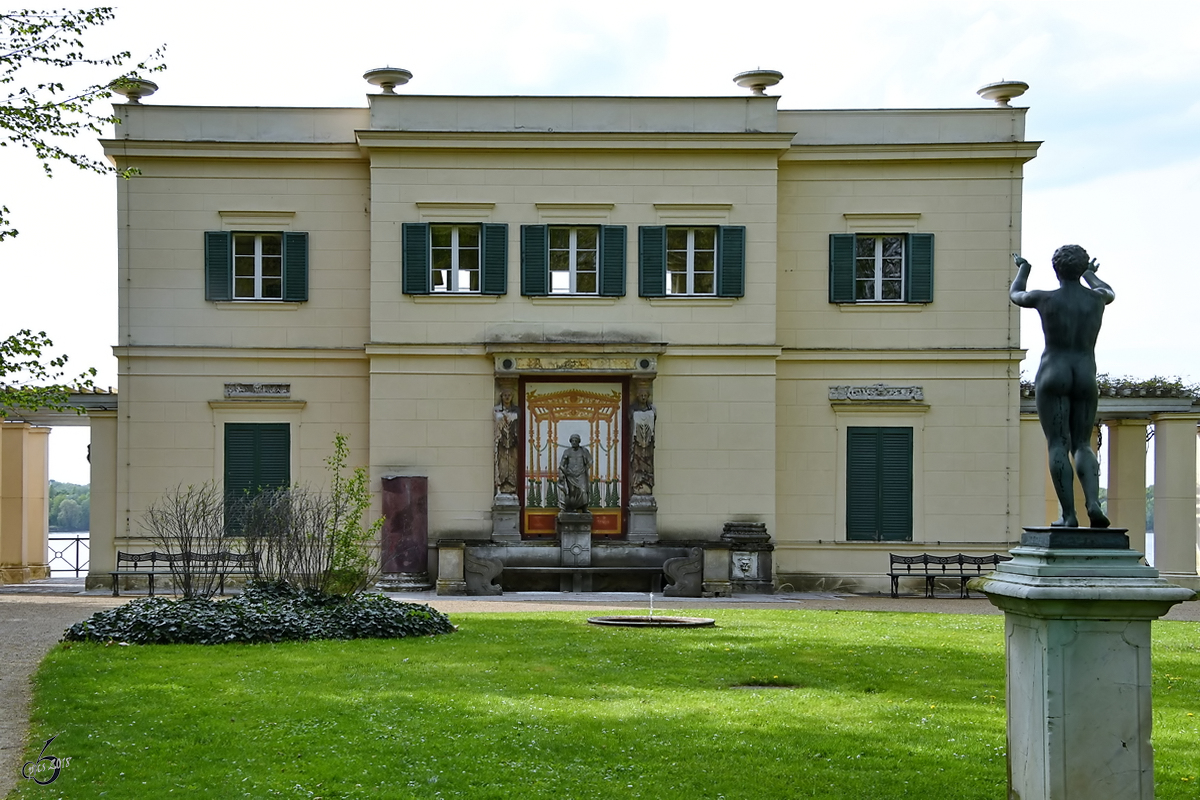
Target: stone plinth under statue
1077, 620
575, 543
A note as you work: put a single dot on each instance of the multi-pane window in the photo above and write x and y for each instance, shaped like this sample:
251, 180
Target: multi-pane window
257, 266
574, 260
266, 267
454, 257
879, 268
691, 261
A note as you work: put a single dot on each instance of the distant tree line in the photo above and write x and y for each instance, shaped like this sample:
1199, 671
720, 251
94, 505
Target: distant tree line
70, 507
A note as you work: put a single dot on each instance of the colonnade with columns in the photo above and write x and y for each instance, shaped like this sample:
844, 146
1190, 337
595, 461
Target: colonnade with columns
1124, 426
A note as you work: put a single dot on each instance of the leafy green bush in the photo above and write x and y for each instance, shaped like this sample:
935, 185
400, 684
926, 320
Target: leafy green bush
265, 612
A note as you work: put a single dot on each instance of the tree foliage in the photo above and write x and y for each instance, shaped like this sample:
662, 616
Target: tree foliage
30, 378
38, 108
70, 506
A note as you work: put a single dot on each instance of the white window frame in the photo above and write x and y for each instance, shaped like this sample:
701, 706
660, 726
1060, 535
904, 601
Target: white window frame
455, 276
259, 259
691, 261
877, 259
573, 250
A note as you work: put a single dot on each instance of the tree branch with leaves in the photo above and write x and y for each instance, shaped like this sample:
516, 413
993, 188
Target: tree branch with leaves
36, 112
38, 376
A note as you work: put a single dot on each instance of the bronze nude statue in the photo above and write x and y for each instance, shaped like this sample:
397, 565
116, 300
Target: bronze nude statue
1066, 390
573, 477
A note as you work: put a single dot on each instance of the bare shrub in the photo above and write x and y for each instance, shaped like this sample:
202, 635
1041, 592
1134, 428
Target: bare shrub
289, 529
189, 524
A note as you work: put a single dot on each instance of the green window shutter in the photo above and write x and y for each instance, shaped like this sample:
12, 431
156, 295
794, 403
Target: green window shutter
879, 473
895, 484
612, 260
731, 261
535, 260
295, 267
920, 268
841, 267
239, 460
494, 244
257, 457
414, 270
862, 484
218, 265
652, 261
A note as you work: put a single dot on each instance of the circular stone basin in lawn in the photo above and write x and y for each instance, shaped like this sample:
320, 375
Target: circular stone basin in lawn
631, 621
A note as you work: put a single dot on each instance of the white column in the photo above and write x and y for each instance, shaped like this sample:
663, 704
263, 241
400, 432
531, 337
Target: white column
1127, 478
14, 561
37, 501
1175, 531
102, 544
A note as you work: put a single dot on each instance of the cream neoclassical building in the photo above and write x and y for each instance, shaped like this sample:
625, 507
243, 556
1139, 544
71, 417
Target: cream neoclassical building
749, 315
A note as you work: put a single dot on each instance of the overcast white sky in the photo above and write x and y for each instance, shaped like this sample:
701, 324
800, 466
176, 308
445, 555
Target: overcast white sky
1113, 94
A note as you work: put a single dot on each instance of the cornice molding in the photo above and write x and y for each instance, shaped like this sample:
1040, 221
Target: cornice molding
623, 140
962, 151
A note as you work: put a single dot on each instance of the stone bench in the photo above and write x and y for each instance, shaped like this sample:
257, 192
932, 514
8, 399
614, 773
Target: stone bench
484, 575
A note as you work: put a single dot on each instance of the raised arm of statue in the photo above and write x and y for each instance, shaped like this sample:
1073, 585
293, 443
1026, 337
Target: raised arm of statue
1098, 286
1017, 293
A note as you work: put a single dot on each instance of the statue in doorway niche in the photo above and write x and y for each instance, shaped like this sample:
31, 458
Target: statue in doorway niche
642, 453
1065, 385
574, 469
505, 414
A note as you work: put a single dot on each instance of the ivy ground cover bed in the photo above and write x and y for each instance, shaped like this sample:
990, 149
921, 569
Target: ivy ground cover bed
769, 704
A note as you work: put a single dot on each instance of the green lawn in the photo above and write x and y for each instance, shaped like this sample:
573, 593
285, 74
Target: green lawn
545, 706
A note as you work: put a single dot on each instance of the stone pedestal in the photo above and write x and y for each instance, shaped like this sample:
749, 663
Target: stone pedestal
1077, 631
750, 551
451, 576
643, 518
404, 542
716, 572
575, 543
506, 517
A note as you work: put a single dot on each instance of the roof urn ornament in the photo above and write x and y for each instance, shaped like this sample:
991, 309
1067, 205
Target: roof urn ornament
757, 80
134, 88
1003, 91
387, 78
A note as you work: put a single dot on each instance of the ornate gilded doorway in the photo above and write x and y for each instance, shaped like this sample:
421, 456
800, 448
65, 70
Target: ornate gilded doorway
553, 411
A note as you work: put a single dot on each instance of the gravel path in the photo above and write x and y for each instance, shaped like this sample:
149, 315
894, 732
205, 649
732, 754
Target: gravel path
34, 616
30, 624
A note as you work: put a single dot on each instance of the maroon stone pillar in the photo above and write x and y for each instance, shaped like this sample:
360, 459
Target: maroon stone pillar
404, 542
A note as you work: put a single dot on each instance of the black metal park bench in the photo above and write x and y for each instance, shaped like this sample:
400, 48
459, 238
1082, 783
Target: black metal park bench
153, 563
931, 568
